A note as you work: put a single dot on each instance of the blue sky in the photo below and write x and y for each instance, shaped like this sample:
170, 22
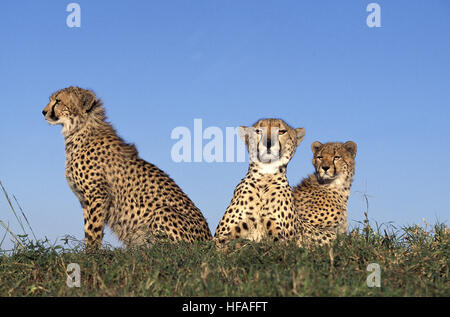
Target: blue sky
158, 65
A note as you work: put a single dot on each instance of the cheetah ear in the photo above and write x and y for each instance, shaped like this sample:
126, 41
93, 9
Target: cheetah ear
350, 146
88, 101
316, 146
243, 133
300, 134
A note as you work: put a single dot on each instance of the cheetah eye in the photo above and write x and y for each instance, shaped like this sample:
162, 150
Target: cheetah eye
258, 131
320, 157
281, 132
337, 157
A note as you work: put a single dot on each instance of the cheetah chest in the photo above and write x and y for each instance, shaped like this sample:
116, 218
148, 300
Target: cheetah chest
269, 209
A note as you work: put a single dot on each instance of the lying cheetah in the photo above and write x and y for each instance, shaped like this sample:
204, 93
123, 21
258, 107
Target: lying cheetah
321, 198
114, 185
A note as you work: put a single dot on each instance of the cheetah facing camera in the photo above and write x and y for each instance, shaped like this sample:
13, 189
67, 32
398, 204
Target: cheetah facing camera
262, 204
321, 198
114, 185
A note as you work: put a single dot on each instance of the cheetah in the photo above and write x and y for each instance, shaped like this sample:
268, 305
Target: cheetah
114, 185
262, 204
321, 198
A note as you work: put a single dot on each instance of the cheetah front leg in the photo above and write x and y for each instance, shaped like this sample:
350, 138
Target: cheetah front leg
274, 228
95, 212
278, 217
231, 227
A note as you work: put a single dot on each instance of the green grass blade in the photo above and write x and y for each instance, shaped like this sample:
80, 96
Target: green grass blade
12, 208
11, 233
25, 217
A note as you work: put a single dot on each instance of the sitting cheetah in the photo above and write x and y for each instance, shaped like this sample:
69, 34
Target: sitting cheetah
114, 185
321, 198
262, 205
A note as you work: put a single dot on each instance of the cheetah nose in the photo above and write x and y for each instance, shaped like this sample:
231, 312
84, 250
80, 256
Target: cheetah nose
325, 168
44, 112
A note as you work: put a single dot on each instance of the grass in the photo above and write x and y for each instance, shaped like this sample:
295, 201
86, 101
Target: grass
413, 261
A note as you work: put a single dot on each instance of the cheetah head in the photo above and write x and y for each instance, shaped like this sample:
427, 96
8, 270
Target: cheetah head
71, 107
333, 161
271, 143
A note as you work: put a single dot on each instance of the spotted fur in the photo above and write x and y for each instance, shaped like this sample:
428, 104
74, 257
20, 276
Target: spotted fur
321, 198
115, 186
262, 204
